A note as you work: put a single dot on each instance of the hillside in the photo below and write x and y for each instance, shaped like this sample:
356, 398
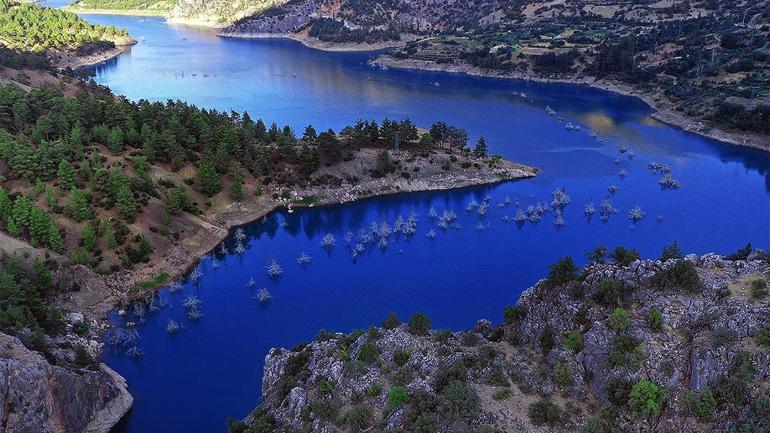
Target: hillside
214, 13
148, 7
218, 13
704, 65
65, 38
677, 344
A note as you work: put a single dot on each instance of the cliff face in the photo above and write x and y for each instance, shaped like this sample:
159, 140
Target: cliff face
679, 357
38, 397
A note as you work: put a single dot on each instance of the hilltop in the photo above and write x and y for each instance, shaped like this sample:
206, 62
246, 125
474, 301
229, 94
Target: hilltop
703, 65
676, 344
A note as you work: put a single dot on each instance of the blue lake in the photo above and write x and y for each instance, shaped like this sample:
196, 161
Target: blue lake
191, 381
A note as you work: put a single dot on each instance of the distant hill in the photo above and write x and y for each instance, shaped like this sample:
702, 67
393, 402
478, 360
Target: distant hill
151, 6
30, 27
702, 61
205, 12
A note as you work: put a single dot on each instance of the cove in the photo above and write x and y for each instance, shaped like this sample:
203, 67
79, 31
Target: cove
211, 369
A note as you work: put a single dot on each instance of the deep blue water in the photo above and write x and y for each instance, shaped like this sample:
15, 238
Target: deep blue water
190, 382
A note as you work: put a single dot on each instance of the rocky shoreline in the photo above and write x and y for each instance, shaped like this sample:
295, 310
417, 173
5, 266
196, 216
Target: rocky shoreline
656, 102
666, 345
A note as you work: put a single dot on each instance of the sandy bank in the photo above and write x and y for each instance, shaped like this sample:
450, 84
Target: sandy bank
656, 102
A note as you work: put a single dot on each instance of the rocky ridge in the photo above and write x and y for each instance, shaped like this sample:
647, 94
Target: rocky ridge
688, 354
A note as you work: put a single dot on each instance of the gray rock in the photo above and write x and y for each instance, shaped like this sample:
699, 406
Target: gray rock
42, 398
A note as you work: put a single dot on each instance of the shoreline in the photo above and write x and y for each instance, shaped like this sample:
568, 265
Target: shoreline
660, 113
219, 226
314, 43
70, 60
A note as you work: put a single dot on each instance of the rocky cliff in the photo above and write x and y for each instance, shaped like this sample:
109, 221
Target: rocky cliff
38, 397
679, 345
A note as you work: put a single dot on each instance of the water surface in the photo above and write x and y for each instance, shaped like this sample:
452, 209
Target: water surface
211, 369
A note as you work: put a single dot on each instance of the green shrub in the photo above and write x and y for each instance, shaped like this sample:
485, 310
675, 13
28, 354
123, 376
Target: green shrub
573, 341
325, 408
597, 255
502, 394
619, 319
625, 256
424, 423
419, 324
758, 418
83, 359
647, 398
763, 337
561, 272
595, 425
626, 351
544, 411
562, 375
459, 401
374, 389
401, 357
325, 387
733, 387
513, 314
368, 353
392, 321
611, 291
671, 251
655, 319
397, 396
359, 418
681, 276
758, 288
702, 405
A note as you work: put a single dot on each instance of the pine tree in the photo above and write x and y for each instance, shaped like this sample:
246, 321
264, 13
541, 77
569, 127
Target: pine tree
50, 198
67, 175
6, 206
115, 140
309, 136
178, 201
55, 241
310, 160
480, 151
79, 208
127, 206
236, 189
208, 179
109, 236
88, 238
